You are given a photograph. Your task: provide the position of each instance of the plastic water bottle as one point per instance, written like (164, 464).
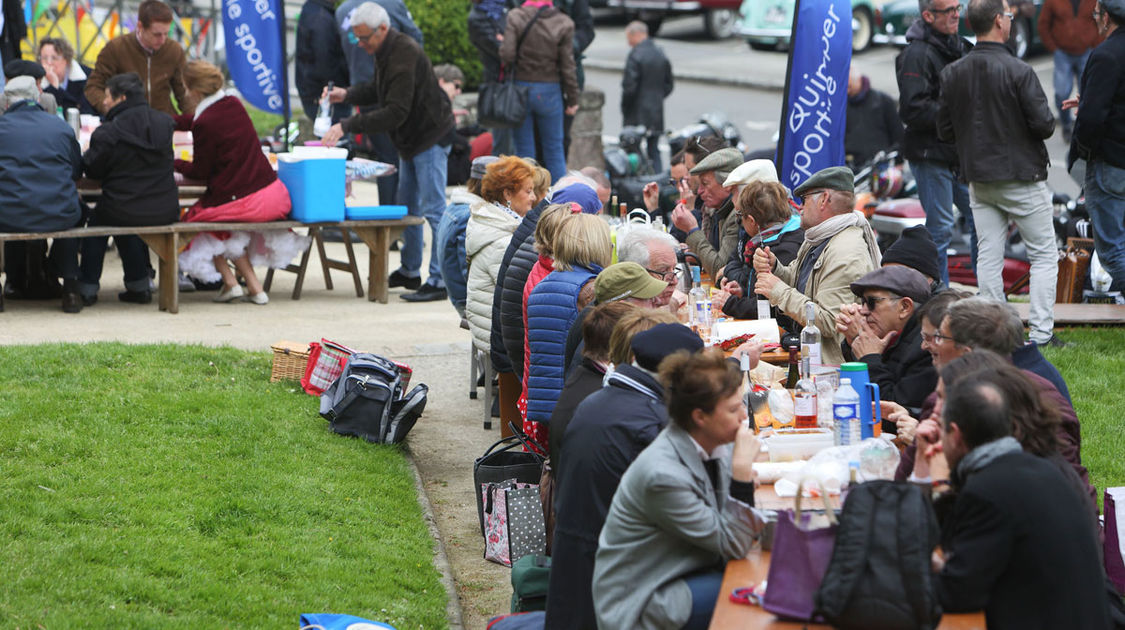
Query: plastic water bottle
(845, 411)
(700, 307)
(323, 120)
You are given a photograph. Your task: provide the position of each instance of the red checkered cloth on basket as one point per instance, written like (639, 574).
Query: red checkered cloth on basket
(326, 363)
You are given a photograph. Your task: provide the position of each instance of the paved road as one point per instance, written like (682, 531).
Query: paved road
(746, 84)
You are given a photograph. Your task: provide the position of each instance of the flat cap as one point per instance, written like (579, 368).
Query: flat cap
(752, 171)
(651, 346)
(723, 160)
(897, 279)
(831, 178)
(23, 68)
(915, 248)
(626, 280)
(480, 166)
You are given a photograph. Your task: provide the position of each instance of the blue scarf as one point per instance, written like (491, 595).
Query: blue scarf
(494, 9)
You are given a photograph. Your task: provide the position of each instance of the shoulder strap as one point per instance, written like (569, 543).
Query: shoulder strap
(519, 42)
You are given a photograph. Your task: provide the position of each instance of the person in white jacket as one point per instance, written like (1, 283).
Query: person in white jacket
(508, 193)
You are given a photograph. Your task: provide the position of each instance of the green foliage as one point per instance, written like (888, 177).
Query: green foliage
(174, 487)
(1094, 369)
(266, 122)
(444, 25)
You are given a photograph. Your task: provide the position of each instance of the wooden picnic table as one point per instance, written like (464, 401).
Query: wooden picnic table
(755, 568)
(167, 241)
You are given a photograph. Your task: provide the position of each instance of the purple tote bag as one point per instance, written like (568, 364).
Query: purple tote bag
(1114, 546)
(799, 558)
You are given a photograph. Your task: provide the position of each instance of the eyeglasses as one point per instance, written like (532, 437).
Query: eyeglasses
(699, 143)
(50, 58)
(670, 276)
(946, 11)
(936, 338)
(871, 301)
(809, 195)
(353, 38)
(744, 214)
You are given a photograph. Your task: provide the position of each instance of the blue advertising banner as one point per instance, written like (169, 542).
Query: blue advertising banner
(254, 51)
(816, 99)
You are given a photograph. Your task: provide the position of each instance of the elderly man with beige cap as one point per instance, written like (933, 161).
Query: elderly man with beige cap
(715, 240)
(839, 249)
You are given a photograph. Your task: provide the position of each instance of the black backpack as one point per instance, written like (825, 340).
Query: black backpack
(367, 400)
(879, 577)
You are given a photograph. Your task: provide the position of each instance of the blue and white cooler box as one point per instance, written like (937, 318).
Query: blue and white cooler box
(315, 179)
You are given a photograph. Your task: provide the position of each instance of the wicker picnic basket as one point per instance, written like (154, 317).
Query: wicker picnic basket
(290, 358)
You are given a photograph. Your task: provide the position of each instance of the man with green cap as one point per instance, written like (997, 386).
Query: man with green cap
(839, 249)
(714, 241)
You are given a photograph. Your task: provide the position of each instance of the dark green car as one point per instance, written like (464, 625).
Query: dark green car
(898, 15)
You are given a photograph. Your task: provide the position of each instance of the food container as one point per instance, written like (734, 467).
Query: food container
(315, 179)
(375, 212)
(787, 445)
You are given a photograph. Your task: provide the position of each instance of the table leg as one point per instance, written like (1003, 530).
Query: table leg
(378, 240)
(167, 250)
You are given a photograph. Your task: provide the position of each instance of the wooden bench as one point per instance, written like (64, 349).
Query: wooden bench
(168, 240)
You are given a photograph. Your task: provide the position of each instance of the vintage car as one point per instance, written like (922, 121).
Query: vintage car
(719, 16)
(898, 15)
(766, 24)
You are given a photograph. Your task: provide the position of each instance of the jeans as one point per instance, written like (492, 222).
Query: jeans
(1068, 72)
(502, 142)
(1028, 204)
(63, 260)
(545, 114)
(451, 244)
(939, 191)
(704, 589)
(421, 187)
(1105, 201)
(134, 260)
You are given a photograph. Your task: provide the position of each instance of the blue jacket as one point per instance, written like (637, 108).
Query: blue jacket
(451, 244)
(551, 309)
(39, 163)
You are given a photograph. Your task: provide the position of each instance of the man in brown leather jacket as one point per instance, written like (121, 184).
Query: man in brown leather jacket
(157, 60)
(995, 112)
(1067, 29)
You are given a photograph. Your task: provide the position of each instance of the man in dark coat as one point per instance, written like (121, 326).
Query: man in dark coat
(320, 57)
(609, 429)
(933, 43)
(1016, 539)
(1099, 138)
(646, 83)
(39, 164)
(872, 124)
(419, 118)
(883, 331)
(361, 69)
(131, 155)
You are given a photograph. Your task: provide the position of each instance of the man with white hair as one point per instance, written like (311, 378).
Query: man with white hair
(39, 163)
(419, 118)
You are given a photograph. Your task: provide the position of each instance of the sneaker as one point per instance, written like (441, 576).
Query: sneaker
(399, 279)
(428, 293)
(1055, 342)
(258, 298)
(229, 295)
(134, 297)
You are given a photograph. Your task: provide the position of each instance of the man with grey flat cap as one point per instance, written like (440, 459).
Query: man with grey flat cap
(887, 335)
(714, 240)
(839, 249)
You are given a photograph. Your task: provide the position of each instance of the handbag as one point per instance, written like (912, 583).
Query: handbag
(325, 365)
(513, 522)
(501, 462)
(503, 104)
(1113, 504)
(802, 546)
(1074, 265)
(530, 577)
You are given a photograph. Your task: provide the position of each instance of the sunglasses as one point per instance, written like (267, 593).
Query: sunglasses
(871, 301)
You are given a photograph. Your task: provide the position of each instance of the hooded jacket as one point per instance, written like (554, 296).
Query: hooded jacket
(918, 68)
(131, 155)
(487, 234)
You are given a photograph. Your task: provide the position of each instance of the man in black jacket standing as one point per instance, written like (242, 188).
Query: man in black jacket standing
(419, 118)
(1099, 138)
(645, 85)
(320, 57)
(1016, 540)
(933, 44)
(994, 109)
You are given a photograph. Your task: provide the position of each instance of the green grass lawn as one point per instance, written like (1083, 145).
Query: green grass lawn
(1094, 369)
(175, 487)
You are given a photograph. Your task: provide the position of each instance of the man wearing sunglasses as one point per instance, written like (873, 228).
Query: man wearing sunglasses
(933, 43)
(995, 111)
(886, 335)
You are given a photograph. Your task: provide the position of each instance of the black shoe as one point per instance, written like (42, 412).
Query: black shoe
(428, 293)
(398, 279)
(89, 300)
(1055, 342)
(71, 302)
(135, 297)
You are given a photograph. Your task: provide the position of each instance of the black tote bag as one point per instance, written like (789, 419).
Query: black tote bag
(500, 463)
(503, 104)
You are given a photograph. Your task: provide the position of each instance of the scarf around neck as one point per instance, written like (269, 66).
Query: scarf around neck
(982, 456)
(831, 227)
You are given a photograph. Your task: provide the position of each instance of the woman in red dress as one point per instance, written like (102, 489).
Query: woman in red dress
(241, 186)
